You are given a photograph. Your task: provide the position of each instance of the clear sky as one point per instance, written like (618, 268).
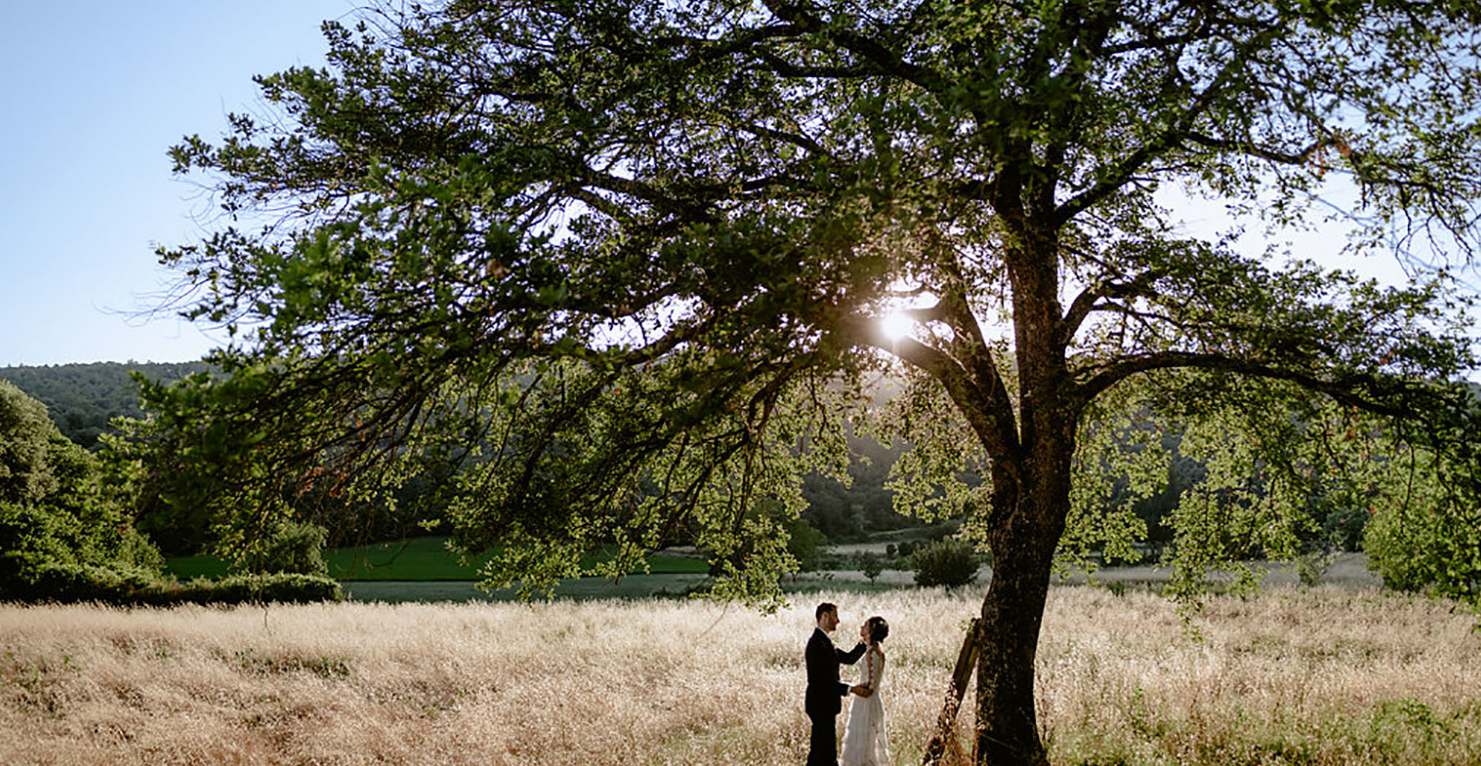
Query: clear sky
(93, 93)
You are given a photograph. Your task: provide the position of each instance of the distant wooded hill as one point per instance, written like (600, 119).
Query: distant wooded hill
(82, 398)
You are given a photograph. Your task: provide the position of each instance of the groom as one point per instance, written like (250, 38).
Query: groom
(825, 692)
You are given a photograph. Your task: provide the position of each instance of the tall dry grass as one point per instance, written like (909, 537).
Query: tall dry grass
(1323, 676)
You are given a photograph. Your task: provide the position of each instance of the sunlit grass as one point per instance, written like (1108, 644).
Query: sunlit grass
(1289, 677)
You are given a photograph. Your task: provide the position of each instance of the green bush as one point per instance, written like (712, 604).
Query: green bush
(1424, 546)
(296, 549)
(949, 563)
(67, 533)
(70, 582)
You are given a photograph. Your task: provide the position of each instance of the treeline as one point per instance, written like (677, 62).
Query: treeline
(67, 529)
(82, 398)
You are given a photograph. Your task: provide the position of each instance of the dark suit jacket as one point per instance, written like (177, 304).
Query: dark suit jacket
(825, 692)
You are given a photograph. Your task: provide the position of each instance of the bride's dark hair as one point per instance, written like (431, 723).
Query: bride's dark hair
(878, 628)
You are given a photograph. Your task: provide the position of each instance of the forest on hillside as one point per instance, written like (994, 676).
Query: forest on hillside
(83, 398)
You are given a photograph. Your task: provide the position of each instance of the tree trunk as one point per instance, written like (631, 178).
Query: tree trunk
(1007, 725)
(1023, 545)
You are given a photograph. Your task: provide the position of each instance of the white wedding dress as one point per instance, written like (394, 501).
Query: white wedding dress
(864, 740)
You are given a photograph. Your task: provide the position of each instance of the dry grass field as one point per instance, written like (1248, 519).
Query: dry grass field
(1322, 676)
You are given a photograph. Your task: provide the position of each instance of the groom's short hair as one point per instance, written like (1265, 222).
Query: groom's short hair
(824, 608)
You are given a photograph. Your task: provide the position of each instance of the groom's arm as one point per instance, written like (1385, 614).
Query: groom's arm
(818, 673)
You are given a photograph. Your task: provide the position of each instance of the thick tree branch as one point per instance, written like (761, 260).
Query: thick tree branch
(972, 347)
(1249, 147)
(1089, 299)
(858, 44)
(990, 423)
(1346, 391)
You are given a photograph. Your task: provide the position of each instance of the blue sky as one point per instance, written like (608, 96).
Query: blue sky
(94, 93)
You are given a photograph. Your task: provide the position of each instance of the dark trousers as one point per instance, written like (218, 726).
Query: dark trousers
(823, 750)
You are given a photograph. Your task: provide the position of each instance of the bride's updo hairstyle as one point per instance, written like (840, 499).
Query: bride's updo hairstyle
(878, 628)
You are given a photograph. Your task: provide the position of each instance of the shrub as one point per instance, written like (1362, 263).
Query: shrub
(49, 553)
(1420, 545)
(65, 534)
(282, 586)
(950, 563)
(1312, 565)
(295, 549)
(122, 585)
(74, 581)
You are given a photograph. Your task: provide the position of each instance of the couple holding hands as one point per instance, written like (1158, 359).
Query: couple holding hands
(864, 735)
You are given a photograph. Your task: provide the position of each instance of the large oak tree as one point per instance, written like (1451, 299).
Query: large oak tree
(614, 267)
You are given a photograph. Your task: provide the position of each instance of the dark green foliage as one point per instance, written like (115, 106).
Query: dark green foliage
(73, 582)
(854, 507)
(805, 544)
(66, 531)
(247, 588)
(25, 434)
(63, 517)
(68, 581)
(296, 548)
(949, 563)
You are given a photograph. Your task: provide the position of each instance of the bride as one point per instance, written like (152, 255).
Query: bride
(864, 736)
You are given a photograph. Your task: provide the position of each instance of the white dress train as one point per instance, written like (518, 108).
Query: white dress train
(864, 739)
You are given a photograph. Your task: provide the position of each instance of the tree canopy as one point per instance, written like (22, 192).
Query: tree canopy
(25, 437)
(622, 265)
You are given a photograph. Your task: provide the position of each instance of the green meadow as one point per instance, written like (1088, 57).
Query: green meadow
(417, 558)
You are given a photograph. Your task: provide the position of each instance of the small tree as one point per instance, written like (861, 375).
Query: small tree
(870, 566)
(949, 563)
(805, 544)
